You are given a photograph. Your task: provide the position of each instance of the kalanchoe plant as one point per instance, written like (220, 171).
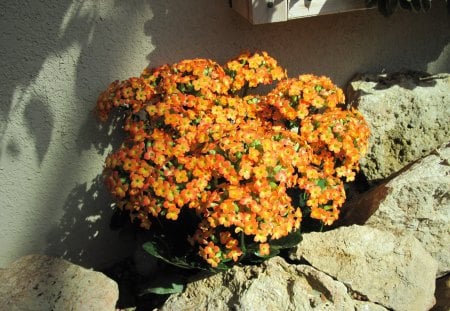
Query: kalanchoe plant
(216, 178)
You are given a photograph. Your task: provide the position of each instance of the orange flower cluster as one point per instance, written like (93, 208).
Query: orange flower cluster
(194, 144)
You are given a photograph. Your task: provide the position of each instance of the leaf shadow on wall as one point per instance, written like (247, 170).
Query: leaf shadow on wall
(39, 122)
(80, 235)
(60, 56)
(33, 33)
(83, 234)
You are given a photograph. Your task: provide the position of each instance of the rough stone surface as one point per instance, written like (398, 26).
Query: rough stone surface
(394, 271)
(273, 285)
(418, 201)
(38, 282)
(408, 115)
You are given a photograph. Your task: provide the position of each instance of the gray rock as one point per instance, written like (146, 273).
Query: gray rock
(408, 115)
(394, 271)
(273, 285)
(38, 282)
(417, 201)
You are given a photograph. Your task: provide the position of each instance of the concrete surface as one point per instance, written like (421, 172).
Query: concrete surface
(57, 56)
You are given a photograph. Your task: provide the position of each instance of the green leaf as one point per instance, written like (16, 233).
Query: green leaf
(207, 71)
(159, 249)
(322, 183)
(253, 100)
(303, 198)
(277, 168)
(229, 72)
(327, 207)
(255, 143)
(288, 241)
(242, 243)
(181, 87)
(173, 288)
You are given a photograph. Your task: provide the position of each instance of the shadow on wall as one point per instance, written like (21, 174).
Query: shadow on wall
(79, 37)
(39, 121)
(34, 32)
(83, 235)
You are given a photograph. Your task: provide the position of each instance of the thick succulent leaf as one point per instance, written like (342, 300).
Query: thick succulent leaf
(159, 249)
(288, 241)
(171, 288)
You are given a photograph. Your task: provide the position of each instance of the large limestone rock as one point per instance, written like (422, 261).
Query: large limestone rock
(418, 201)
(273, 285)
(393, 271)
(408, 115)
(38, 282)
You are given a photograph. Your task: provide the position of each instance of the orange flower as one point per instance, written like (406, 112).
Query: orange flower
(127, 92)
(181, 176)
(264, 249)
(137, 181)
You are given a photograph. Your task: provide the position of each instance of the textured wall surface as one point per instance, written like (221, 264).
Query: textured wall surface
(57, 56)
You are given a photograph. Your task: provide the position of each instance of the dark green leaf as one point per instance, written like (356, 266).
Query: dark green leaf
(242, 243)
(159, 249)
(253, 100)
(322, 183)
(171, 289)
(288, 241)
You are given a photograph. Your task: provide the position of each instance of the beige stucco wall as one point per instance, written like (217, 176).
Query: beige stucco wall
(57, 56)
